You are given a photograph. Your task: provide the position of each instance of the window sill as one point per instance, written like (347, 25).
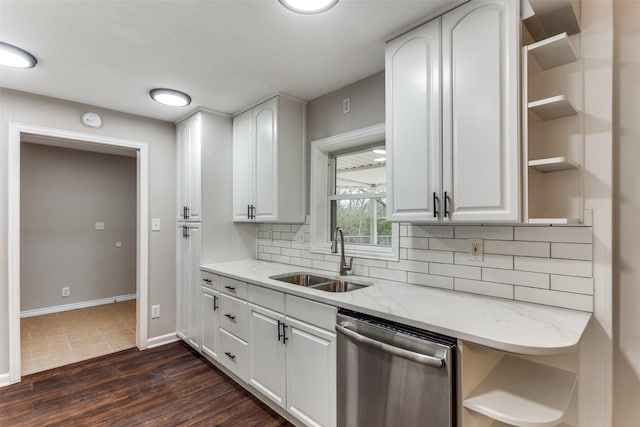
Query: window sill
(382, 254)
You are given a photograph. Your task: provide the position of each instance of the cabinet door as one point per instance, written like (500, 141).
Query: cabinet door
(189, 152)
(265, 118)
(194, 286)
(311, 373)
(267, 353)
(413, 117)
(182, 282)
(243, 161)
(480, 54)
(210, 321)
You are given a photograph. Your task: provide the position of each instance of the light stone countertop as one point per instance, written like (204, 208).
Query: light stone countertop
(506, 325)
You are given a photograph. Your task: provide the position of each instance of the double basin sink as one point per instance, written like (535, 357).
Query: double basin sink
(321, 283)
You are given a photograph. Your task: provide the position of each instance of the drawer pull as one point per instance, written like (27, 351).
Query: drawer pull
(230, 356)
(207, 280)
(230, 316)
(215, 303)
(231, 288)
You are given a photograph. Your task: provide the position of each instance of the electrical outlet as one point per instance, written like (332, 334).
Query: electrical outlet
(155, 224)
(346, 105)
(476, 250)
(155, 311)
(99, 225)
(66, 291)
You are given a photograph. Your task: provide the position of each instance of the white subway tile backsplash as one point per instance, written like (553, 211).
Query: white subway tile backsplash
(542, 265)
(290, 252)
(572, 251)
(495, 261)
(443, 282)
(454, 245)
(483, 232)
(578, 285)
(430, 256)
(386, 274)
(452, 270)
(499, 290)
(414, 242)
(554, 234)
(503, 247)
(554, 298)
(406, 265)
(555, 266)
(437, 231)
(514, 277)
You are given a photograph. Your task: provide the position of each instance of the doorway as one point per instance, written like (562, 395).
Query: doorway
(90, 142)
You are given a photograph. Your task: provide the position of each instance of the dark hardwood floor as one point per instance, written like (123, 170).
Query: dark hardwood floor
(166, 386)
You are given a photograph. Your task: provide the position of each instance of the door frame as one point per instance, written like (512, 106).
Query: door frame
(13, 232)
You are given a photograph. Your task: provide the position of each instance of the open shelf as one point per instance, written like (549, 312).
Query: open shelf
(553, 17)
(524, 393)
(553, 164)
(552, 108)
(553, 52)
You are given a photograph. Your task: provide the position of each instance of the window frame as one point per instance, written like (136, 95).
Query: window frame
(322, 152)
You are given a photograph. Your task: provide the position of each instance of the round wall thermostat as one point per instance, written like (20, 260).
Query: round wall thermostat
(91, 120)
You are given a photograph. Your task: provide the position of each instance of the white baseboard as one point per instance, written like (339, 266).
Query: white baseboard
(162, 340)
(5, 379)
(76, 305)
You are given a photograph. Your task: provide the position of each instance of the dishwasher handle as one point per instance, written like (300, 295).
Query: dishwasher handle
(424, 359)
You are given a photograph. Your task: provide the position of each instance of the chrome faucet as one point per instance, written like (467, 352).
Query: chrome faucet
(344, 268)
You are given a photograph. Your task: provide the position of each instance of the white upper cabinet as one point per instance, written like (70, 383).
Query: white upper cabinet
(481, 93)
(189, 135)
(268, 162)
(413, 124)
(452, 89)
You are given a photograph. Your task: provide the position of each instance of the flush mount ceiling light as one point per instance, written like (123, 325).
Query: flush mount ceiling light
(308, 7)
(173, 98)
(13, 56)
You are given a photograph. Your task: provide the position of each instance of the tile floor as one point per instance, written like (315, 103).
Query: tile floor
(58, 339)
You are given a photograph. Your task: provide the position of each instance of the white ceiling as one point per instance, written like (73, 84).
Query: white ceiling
(226, 54)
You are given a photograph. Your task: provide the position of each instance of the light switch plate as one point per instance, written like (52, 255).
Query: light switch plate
(155, 224)
(155, 311)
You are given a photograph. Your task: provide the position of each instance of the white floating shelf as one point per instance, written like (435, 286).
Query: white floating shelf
(553, 221)
(553, 52)
(553, 164)
(552, 108)
(524, 393)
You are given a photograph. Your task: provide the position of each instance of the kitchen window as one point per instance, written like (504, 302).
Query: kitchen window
(348, 190)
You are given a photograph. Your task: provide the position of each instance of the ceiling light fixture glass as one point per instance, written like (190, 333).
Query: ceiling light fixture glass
(171, 97)
(308, 7)
(13, 56)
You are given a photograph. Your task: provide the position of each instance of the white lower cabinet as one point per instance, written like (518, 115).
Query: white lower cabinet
(293, 362)
(188, 283)
(210, 321)
(234, 354)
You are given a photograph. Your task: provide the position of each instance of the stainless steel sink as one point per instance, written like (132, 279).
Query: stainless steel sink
(301, 279)
(321, 283)
(339, 286)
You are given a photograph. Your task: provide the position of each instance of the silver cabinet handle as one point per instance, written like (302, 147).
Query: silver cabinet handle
(424, 359)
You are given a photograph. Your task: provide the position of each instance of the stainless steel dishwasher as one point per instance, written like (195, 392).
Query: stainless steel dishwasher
(393, 375)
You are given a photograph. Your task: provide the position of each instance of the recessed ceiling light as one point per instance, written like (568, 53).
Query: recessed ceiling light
(380, 151)
(381, 159)
(171, 97)
(13, 56)
(308, 6)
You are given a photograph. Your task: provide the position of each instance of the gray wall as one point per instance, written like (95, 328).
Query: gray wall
(325, 117)
(53, 113)
(626, 214)
(63, 192)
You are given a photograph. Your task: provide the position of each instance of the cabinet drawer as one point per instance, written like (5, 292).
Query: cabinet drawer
(209, 280)
(234, 354)
(233, 316)
(268, 298)
(233, 287)
(318, 314)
